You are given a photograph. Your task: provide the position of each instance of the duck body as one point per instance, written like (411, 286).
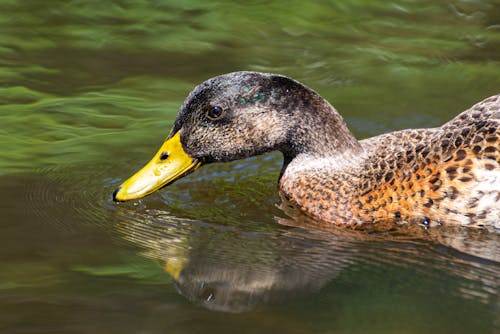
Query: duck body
(448, 175)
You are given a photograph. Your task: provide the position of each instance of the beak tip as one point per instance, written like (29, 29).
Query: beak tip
(115, 193)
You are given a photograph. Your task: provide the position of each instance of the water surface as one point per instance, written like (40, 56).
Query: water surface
(89, 90)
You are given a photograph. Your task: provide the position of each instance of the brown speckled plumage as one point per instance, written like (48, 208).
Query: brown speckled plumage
(448, 175)
(424, 175)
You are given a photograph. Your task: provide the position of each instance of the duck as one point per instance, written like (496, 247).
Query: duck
(447, 175)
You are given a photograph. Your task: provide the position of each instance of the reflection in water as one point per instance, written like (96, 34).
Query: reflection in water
(234, 270)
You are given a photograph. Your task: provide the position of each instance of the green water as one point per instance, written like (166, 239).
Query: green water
(88, 91)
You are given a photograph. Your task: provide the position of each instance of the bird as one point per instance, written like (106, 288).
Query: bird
(447, 175)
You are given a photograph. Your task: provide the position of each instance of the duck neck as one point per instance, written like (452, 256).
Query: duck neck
(319, 132)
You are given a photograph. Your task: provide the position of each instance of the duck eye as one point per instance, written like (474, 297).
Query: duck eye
(215, 112)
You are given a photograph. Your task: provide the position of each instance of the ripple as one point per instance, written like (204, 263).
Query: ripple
(59, 195)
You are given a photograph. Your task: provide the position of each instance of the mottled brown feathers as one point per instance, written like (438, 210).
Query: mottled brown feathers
(425, 175)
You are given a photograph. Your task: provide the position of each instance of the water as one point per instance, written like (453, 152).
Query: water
(89, 90)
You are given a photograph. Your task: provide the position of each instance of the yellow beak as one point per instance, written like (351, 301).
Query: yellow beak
(170, 163)
(174, 267)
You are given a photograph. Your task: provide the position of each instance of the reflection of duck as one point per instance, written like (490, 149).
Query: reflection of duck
(233, 269)
(448, 174)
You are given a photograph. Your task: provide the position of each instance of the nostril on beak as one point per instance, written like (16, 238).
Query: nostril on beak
(164, 156)
(114, 194)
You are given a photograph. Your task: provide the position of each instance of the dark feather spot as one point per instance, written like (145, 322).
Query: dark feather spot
(465, 179)
(429, 203)
(480, 124)
(489, 166)
(460, 155)
(490, 149)
(436, 187)
(477, 139)
(452, 172)
(452, 192)
(419, 148)
(492, 139)
(434, 180)
(388, 176)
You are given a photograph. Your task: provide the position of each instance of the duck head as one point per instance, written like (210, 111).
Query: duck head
(237, 115)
